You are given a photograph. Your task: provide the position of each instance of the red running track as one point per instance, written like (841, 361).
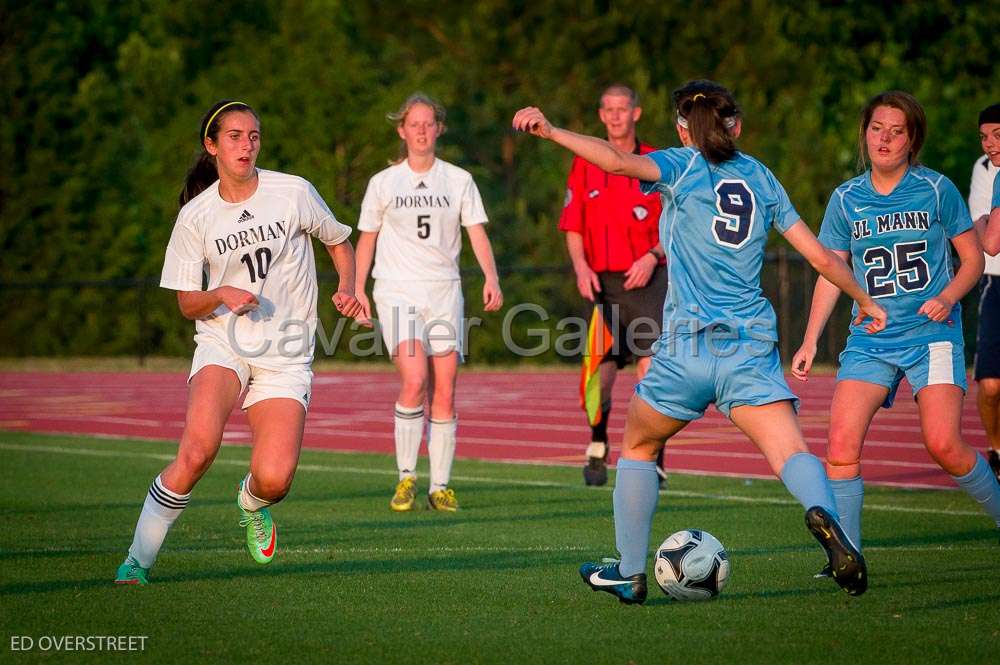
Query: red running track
(508, 416)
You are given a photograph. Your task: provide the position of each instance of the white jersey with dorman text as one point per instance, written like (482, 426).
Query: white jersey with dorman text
(260, 245)
(418, 217)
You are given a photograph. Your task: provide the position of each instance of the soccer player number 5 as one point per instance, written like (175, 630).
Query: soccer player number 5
(423, 227)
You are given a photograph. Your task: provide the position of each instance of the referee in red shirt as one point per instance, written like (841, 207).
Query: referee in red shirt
(612, 234)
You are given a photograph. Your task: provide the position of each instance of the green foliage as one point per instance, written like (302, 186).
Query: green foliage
(103, 102)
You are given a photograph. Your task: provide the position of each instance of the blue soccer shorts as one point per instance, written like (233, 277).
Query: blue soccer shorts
(691, 371)
(923, 365)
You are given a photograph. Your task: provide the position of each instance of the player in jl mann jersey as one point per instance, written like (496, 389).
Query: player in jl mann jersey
(898, 222)
(411, 224)
(719, 333)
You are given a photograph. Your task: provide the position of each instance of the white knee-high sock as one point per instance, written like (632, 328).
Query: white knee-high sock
(161, 508)
(248, 501)
(409, 428)
(441, 449)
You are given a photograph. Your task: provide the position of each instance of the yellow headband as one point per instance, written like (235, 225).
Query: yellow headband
(695, 98)
(217, 112)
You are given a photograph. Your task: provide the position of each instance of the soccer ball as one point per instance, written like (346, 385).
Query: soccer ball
(691, 565)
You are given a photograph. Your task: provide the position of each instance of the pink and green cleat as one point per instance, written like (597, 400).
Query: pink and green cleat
(130, 572)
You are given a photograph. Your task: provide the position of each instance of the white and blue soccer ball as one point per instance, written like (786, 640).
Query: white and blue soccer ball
(691, 565)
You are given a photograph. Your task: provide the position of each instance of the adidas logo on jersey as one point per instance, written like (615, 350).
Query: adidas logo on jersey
(421, 185)
(245, 217)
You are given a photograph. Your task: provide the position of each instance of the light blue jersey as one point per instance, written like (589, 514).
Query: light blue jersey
(900, 251)
(714, 227)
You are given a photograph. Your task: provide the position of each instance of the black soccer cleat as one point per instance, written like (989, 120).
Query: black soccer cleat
(846, 563)
(825, 574)
(595, 471)
(994, 459)
(606, 577)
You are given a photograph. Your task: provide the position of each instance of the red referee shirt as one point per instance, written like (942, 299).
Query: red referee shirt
(618, 222)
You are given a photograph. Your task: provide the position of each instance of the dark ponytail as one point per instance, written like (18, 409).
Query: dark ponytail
(709, 112)
(204, 172)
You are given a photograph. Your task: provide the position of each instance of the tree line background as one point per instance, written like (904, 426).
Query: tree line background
(102, 103)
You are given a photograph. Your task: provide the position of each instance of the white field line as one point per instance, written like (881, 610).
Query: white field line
(93, 452)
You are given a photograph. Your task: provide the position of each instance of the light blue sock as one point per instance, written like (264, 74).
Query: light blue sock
(805, 477)
(635, 496)
(982, 486)
(850, 495)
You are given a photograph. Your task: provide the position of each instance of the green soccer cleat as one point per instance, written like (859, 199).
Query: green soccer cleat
(130, 572)
(262, 535)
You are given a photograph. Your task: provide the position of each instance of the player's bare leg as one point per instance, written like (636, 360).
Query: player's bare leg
(276, 425)
(940, 409)
(212, 393)
(410, 359)
(641, 367)
(988, 403)
(441, 437)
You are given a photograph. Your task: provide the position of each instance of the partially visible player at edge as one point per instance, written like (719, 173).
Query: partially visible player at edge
(249, 231)
(719, 334)
(613, 241)
(897, 222)
(981, 200)
(410, 223)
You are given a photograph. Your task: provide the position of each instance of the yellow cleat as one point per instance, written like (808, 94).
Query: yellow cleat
(443, 500)
(406, 492)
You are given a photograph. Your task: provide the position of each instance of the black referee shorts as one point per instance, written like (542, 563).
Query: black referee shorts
(633, 317)
(988, 338)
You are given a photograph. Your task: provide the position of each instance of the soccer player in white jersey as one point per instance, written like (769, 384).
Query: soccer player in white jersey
(897, 222)
(719, 333)
(411, 221)
(987, 369)
(247, 231)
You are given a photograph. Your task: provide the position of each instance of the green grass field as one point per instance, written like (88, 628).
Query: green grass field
(496, 582)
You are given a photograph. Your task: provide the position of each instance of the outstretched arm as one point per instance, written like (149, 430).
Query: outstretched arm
(596, 151)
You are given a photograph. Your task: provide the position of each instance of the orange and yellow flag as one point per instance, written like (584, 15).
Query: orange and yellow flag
(599, 342)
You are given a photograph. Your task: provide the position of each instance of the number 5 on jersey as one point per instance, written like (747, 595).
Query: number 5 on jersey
(423, 227)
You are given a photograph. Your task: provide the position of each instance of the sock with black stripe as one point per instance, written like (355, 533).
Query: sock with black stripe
(160, 510)
(409, 429)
